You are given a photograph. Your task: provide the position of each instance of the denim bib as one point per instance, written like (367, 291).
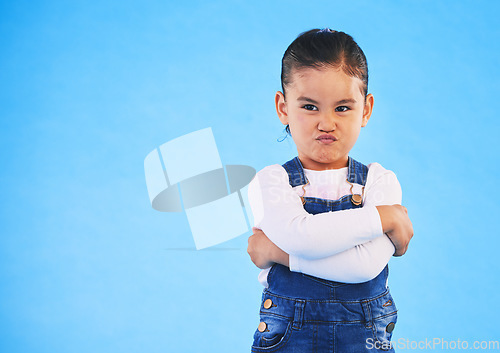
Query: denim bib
(303, 313)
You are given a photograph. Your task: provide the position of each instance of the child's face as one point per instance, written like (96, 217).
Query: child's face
(322, 103)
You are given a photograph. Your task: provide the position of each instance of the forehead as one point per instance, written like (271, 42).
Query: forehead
(325, 82)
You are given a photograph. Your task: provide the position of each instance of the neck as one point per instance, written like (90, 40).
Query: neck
(308, 163)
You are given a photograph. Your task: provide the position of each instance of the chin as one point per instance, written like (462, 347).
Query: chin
(326, 157)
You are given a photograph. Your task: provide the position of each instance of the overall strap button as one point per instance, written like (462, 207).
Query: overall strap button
(390, 327)
(356, 199)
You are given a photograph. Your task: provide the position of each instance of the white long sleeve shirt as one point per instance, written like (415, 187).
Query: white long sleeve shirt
(345, 246)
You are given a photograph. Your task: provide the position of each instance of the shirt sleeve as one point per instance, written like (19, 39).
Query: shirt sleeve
(359, 264)
(279, 212)
(365, 261)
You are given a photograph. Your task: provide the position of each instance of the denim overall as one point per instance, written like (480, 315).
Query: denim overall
(302, 313)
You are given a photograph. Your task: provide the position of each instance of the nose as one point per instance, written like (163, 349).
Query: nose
(327, 122)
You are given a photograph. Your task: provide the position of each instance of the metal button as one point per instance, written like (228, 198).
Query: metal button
(262, 327)
(268, 303)
(356, 199)
(390, 327)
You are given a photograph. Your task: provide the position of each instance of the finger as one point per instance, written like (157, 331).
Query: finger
(401, 251)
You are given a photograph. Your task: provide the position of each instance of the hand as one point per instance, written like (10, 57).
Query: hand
(263, 252)
(397, 225)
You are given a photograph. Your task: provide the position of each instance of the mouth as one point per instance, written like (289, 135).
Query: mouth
(327, 139)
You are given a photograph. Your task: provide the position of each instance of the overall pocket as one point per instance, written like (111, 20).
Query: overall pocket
(382, 329)
(272, 333)
(384, 319)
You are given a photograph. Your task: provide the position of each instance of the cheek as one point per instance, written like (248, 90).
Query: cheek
(355, 128)
(352, 130)
(301, 122)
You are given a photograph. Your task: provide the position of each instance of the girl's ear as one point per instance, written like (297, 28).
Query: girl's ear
(367, 111)
(281, 109)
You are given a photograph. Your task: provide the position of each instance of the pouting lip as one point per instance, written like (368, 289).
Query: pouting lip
(326, 136)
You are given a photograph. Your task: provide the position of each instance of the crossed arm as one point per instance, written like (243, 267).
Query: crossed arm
(347, 246)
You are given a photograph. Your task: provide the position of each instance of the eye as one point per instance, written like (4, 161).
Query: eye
(342, 108)
(310, 107)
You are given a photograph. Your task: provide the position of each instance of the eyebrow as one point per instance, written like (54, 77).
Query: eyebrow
(342, 101)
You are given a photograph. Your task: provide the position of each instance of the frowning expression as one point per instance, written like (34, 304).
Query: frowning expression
(325, 110)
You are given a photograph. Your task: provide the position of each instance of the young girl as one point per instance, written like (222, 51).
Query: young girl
(325, 224)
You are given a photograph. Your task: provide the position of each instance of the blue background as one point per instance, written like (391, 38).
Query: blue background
(87, 90)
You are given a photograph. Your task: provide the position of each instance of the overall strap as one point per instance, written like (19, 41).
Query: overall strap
(296, 175)
(357, 172)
